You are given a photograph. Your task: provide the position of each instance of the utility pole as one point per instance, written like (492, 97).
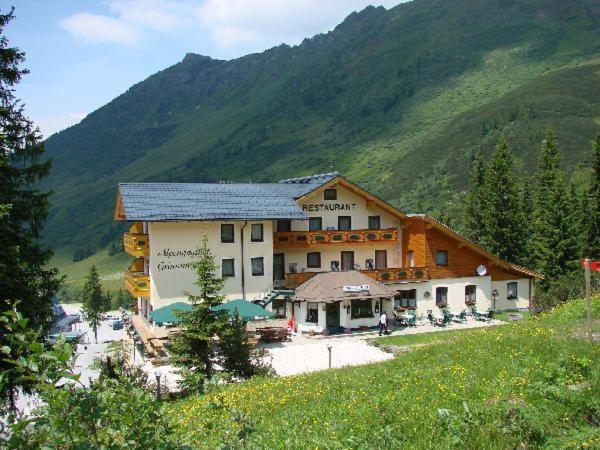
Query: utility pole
(588, 298)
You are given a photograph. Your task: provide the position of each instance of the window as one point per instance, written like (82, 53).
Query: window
(441, 257)
(410, 258)
(470, 294)
(441, 296)
(511, 291)
(258, 266)
(279, 308)
(344, 223)
(406, 299)
(227, 268)
(330, 194)
(347, 260)
(361, 308)
(256, 232)
(312, 312)
(227, 233)
(374, 222)
(284, 225)
(313, 259)
(315, 223)
(381, 259)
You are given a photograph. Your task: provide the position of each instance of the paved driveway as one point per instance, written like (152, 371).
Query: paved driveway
(293, 358)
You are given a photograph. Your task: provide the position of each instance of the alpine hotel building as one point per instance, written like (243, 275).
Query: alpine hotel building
(269, 238)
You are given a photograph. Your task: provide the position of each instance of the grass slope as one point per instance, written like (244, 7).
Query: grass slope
(110, 268)
(530, 384)
(395, 99)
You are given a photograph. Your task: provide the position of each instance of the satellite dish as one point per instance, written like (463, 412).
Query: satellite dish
(481, 270)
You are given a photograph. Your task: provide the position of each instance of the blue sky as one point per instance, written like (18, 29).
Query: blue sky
(83, 53)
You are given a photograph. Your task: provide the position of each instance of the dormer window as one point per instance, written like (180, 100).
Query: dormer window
(330, 194)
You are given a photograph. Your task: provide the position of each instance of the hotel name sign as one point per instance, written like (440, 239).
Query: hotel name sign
(170, 259)
(320, 207)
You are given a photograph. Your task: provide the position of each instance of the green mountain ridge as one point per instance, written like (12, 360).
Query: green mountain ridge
(395, 99)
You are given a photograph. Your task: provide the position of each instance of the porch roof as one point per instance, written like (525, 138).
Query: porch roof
(328, 287)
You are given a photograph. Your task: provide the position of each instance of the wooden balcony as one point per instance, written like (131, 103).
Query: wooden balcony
(137, 283)
(399, 274)
(304, 239)
(136, 244)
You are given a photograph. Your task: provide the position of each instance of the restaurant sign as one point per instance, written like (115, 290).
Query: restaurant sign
(319, 207)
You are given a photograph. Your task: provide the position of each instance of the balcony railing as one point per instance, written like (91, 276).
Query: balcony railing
(293, 280)
(398, 274)
(299, 239)
(137, 283)
(136, 244)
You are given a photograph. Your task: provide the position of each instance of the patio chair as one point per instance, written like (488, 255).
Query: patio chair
(447, 317)
(430, 317)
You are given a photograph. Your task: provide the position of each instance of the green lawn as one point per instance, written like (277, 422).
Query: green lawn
(437, 337)
(531, 384)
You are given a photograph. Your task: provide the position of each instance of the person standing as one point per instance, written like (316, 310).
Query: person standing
(383, 323)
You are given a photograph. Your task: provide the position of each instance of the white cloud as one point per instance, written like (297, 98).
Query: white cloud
(271, 22)
(98, 28)
(52, 124)
(131, 20)
(238, 26)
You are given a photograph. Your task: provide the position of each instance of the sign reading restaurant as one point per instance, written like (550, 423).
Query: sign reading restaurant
(329, 207)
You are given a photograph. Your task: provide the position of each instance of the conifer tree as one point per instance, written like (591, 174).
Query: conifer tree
(554, 244)
(192, 348)
(527, 210)
(592, 208)
(24, 276)
(93, 301)
(476, 207)
(503, 220)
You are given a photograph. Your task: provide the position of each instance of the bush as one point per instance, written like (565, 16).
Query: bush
(565, 288)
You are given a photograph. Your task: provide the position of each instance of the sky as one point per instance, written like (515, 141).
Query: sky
(83, 53)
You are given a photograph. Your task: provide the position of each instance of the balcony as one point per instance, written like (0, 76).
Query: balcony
(137, 283)
(136, 244)
(398, 274)
(406, 274)
(304, 239)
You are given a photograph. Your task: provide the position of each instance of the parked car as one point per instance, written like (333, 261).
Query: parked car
(117, 324)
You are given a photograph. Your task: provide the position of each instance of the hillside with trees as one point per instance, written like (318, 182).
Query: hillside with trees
(397, 100)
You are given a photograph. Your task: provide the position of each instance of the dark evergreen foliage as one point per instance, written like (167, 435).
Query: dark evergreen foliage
(476, 206)
(24, 276)
(94, 303)
(555, 245)
(192, 348)
(591, 207)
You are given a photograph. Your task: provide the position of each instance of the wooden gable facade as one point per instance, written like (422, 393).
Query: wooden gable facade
(424, 237)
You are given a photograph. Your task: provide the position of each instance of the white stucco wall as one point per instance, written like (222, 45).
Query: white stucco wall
(522, 302)
(170, 281)
(313, 205)
(328, 254)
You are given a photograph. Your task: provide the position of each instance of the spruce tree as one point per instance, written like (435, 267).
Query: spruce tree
(24, 274)
(476, 206)
(592, 208)
(192, 347)
(554, 245)
(93, 301)
(503, 220)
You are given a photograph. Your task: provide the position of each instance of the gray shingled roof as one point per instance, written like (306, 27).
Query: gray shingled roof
(201, 201)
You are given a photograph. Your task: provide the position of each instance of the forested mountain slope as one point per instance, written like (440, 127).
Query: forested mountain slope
(394, 99)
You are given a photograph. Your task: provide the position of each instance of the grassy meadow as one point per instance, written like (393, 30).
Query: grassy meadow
(110, 268)
(529, 384)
